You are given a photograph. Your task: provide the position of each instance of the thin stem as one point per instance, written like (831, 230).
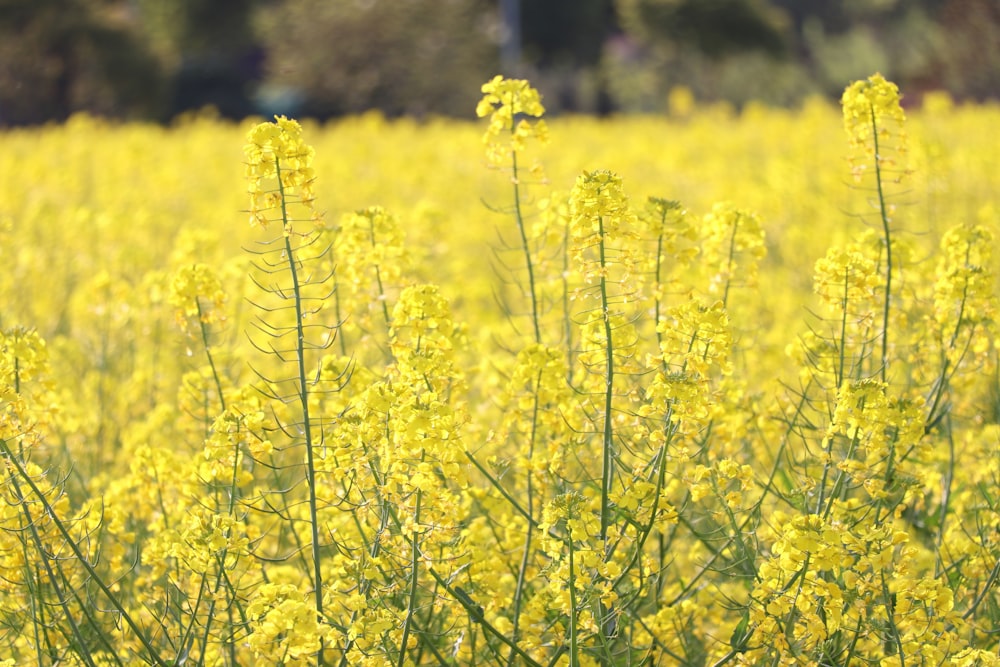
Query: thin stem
(303, 393)
(522, 572)
(890, 613)
(842, 354)
(946, 483)
(731, 261)
(519, 217)
(574, 650)
(499, 487)
(609, 384)
(842, 348)
(50, 511)
(208, 353)
(888, 250)
(941, 384)
(411, 602)
(46, 563)
(476, 614)
(659, 265)
(606, 615)
(378, 278)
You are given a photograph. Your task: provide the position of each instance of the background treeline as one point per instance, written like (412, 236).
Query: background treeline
(153, 59)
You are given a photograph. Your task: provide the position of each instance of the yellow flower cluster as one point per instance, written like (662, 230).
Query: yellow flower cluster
(874, 121)
(846, 279)
(196, 292)
(285, 628)
(507, 102)
(276, 151)
(964, 292)
(733, 242)
(601, 218)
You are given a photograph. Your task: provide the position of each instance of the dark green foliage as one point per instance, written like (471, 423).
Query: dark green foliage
(713, 27)
(153, 59)
(62, 56)
(413, 57)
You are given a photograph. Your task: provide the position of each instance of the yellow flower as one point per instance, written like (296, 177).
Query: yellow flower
(873, 119)
(733, 246)
(284, 626)
(696, 338)
(600, 215)
(196, 292)
(862, 99)
(845, 277)
(964, 292)
(423, 336)
(276, 151)
(504, 100)
(599, 207)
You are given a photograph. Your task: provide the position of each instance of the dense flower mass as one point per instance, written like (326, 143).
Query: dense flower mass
(669, 406)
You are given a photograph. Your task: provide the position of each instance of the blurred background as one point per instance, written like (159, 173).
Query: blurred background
(155, 59)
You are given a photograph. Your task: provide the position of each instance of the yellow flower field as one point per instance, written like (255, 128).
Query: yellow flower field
(704, 389)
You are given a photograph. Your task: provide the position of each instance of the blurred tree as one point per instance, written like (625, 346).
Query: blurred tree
(412, 56)
(715, 28)
(566, 31)
(971, 65)
(209, 49)
(153, 58)
(781, 50)
(562, 45)
(62, 56)
(920, 44)
(733, 50)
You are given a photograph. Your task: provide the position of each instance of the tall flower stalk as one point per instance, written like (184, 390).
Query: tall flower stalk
(510, 103)
(280, 177)
(873, 119)
(601, 225)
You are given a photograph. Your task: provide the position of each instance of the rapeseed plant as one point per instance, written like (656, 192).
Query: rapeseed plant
(610, 463)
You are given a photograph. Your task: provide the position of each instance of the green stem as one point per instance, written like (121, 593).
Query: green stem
(842, 348)
(941, 384)
(221, 558)
(890, 613)
(609, 384)
(79, 555)
(188, 637)
(522, 572)
(731, 261)
(660, 470)
(46, 559)
(519, 217)
(208, 353)
(888, 250)
(303, 393)
(411, 603)
(499, 487)
(657, 304)
(946, 483)
(606, 619)
(842, 354)
(574, 650)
